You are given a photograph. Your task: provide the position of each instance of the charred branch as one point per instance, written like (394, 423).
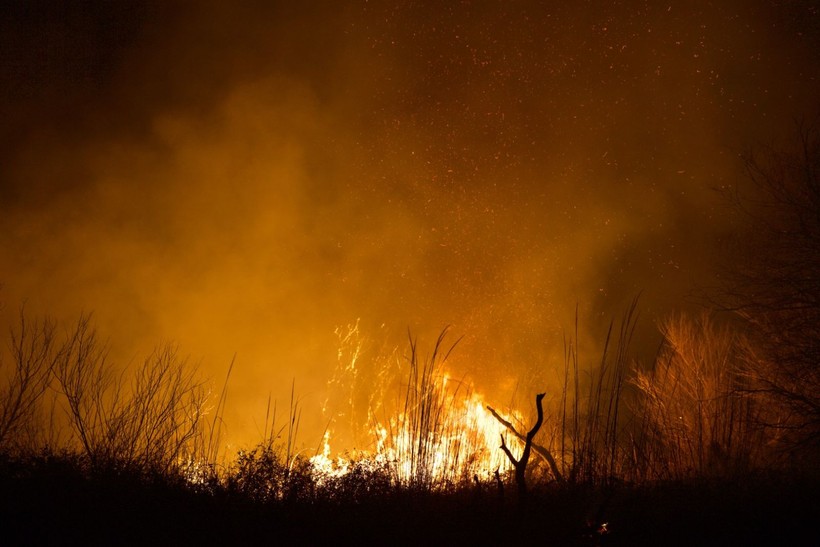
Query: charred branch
(540, 450)
(520, 465)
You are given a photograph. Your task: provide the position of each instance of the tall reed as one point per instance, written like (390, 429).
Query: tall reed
(591, 419)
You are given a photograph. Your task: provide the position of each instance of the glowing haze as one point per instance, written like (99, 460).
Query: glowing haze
(247, 177)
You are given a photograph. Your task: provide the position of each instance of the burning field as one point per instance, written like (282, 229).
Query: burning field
(697, 444)
(409, 271)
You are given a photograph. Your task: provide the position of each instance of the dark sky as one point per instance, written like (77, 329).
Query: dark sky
(245, 177)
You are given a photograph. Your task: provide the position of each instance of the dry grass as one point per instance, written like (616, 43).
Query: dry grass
(699, 417)
(588, 434)
(698, 412)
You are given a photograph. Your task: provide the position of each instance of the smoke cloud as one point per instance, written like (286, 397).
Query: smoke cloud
(243, 178)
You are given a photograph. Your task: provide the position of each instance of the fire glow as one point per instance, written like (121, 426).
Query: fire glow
(439, 433)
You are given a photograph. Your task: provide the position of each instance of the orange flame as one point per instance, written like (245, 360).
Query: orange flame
(457, 441)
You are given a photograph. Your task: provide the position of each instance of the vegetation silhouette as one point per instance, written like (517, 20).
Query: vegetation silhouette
(712, 442)
(773, 278)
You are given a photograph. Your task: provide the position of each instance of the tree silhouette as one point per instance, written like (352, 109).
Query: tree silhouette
(773, 281)
(520, 464)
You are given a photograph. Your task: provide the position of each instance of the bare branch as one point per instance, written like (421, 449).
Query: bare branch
(540, 450)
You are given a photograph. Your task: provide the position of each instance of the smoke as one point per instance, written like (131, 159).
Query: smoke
(244, 179)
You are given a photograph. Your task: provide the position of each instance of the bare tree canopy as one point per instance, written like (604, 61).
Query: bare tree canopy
(773, 281)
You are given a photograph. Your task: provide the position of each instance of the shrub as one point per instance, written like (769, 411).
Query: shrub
(699, 417)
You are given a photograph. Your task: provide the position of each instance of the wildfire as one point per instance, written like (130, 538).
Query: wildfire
(442, 435)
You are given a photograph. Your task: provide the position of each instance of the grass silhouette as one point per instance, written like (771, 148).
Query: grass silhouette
(688, 458)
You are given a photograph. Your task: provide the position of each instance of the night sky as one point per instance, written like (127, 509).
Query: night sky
(245, 177)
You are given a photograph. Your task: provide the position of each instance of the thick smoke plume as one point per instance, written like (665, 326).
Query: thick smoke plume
(245, 178)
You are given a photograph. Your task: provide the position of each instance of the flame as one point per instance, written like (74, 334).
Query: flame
(325, 466)
(437, 433)
(444, 437)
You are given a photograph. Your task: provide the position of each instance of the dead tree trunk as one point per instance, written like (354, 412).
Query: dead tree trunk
(520, 464)
(540, 450)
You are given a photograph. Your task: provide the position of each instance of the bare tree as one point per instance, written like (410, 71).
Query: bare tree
(34, 351)
(520, 464)
(164, 410)
(540, 450)
(144, 424)
(773, 281)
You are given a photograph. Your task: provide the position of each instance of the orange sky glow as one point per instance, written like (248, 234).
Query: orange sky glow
(251, 179)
